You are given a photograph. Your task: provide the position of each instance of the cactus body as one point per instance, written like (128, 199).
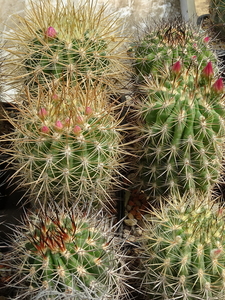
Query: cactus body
(184, 248)
(59, 253)
(70, 145)
(160, 47)
(65, 42)
(217, 17)
(181, 127)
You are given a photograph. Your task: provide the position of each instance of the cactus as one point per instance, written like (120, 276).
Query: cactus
(180, 131)
(158, 48)
(59, 253)
(81, 43)
(217, 17)
(66, 143)
(184, 250)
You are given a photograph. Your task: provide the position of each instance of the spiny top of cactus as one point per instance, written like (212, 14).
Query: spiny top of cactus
(67, 252)
(67, 142)
(65, 41)
(160, 46)
(184, 248)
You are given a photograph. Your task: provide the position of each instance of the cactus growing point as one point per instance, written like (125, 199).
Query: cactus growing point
(60, 253)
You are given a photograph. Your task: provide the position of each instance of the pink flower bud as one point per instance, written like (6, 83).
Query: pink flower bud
(176, 68)
(45, 129)
(58, 125)
(50, 32)
(55, 97)
(194, 57)
(80, 120)
(207, 72)
(42, 113)
(206, 39)
(77, 130)
(218, 86)
(88, 110)
(215, 253)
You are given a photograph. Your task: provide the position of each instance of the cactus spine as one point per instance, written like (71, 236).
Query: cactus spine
(180, 122)
(58, 253)
(184, 250)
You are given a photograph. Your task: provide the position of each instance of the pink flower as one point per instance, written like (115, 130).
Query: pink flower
(218, 86)
(176, 68)
(42, 113)
(77, 130)
(88, 110)
(206, 39)
(50, 32)
(45, 129)
(58, 125)
(207, 72)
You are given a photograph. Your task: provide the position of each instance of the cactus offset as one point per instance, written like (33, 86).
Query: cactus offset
(158, 48)
(69, 144)
(58, 253)
(180, 126)
(184, 250)
(81, 43)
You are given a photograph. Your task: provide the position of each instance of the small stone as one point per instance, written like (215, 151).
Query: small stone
(130, 216)
(130, 222)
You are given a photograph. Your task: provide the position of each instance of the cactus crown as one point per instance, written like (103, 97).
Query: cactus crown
(184, 250)
(78, 42)
(67, 143)
(58, 251)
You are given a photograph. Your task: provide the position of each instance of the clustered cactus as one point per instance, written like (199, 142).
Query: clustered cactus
(59, 253)
(184, 250)
(69, 150)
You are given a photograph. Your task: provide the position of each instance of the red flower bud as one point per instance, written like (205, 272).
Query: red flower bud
(50, 32)
(42, 113)
(176, 68)
(207, 72)
(77, 129)
(218, 86)
(58, 125)
(88, 111)
(45, 129)
(206, 39)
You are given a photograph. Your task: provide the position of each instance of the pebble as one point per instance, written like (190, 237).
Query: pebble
(130, 222)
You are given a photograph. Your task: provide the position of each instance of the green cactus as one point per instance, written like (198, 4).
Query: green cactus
(184, 247)
(69, 145)
(158, 48)
(217, 17)
(180, 130)
(81, 43)
(60, 253)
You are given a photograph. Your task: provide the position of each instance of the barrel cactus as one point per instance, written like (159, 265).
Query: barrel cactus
(217, 17)
(82, 43)
(184, 247)
(66, 143)
(159, 47)
(60, 254)
(180, 130)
